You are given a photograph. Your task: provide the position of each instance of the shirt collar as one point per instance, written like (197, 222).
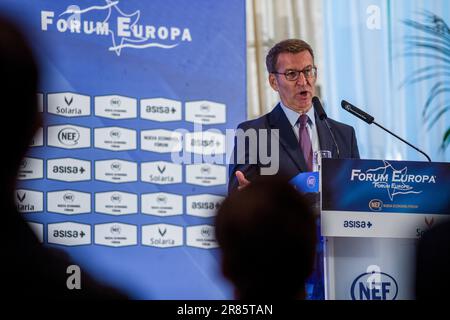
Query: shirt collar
(293, 115)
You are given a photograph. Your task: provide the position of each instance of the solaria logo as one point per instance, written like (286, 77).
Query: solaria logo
(124, 29)
(374, 285)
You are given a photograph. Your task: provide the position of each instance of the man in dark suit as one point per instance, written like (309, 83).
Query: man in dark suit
(293, 128)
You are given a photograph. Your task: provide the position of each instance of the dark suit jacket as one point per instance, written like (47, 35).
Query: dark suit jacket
(291, 160)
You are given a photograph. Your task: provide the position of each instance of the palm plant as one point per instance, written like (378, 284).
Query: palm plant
(433, 42)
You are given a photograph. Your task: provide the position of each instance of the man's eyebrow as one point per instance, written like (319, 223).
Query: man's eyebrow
(292, 69)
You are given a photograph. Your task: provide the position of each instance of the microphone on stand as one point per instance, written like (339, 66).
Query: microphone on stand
(323, 117)
(369, 119)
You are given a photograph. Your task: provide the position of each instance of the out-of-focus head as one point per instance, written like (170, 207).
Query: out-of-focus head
(18, 91)
(267, 236)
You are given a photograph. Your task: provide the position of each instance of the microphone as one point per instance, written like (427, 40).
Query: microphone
(357, 112)
(369, 119)
(323, 117)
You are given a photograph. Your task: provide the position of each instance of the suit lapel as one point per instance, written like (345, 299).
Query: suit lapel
(278, 120)
(325, 141)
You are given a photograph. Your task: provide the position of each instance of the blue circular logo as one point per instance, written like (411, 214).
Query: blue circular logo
(311, 182)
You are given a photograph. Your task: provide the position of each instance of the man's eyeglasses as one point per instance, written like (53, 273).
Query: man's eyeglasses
(292, 75)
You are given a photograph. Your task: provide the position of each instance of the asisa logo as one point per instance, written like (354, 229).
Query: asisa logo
(107, 19)
(374, 285)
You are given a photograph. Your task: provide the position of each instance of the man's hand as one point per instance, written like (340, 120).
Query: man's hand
(243, 182)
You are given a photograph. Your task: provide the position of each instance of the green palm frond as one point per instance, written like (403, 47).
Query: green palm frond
(432, 43)
(446, 141)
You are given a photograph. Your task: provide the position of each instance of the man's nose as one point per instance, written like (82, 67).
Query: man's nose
(301, 79)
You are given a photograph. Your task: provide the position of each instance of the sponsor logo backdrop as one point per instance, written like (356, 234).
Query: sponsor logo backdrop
(99, 180)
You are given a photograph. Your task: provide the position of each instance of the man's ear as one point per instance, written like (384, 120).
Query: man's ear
(273, 82)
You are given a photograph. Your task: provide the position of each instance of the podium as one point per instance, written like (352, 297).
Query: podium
(372, 212)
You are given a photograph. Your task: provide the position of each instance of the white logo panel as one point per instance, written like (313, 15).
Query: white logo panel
(161, 172)
(162, 235)
(115, 234)
(31, 168)
(162, 204)
(118, 171)
(207, 143)
(68, 202)
(115, 139)
(205, 112)
(38, 139)
(69, 233)
(69, 169)
(69, 137)
(161, 141)
(29, 201)
(202, 236)
(115, 107)
(68, 104)
(116, 203)
(160, 109)
(40, 102)
(38, 230)
(204, 174)
(203, 205)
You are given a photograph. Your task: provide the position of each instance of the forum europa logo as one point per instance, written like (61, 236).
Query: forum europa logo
(107, 19)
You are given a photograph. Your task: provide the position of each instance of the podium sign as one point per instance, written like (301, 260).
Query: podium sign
(388, 199)
(373, 212)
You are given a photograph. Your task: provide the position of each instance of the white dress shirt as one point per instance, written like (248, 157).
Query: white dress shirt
(311, 125)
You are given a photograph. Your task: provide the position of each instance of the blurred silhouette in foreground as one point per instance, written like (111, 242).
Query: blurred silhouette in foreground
(433, 264)
(267, 235)
(29, 270)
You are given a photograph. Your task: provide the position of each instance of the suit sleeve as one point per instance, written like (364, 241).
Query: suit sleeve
(241, 160)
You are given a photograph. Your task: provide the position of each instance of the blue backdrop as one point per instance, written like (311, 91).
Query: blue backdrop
(101, 61)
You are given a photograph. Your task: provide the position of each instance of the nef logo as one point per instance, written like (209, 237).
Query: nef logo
(161, 199)
(115, 229)
(115, 134)
(116, 166)
(374, 285)
(205, 170)
(206, 232)
(68, 136)
(204, 108)
(116, 198)
(115, 102)
(69, 197)
(376, 205)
